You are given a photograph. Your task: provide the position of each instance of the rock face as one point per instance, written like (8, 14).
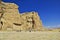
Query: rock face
(31, 20)
(13, 20)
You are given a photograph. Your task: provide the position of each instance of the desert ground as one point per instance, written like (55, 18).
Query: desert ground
(29, 35)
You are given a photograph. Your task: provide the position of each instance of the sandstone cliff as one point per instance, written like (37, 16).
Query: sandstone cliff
(13, 20)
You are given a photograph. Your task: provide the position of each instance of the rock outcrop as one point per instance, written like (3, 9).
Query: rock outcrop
(14, 21)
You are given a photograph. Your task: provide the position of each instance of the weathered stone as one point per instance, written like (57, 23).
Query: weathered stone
(13, 20)
(32, 20)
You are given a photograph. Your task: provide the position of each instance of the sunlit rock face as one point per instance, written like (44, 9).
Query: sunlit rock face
(14, 21)
(32, 20)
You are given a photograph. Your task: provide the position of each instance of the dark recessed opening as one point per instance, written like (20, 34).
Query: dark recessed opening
(1, 22)
(17, 24)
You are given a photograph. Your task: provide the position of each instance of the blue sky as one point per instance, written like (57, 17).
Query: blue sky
(48, 10)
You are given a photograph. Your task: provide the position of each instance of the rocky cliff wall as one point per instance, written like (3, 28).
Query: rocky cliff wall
(14, 21)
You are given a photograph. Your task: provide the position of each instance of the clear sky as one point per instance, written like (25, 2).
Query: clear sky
(48, 10)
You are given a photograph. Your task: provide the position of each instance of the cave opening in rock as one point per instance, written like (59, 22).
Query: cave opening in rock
(17, 24)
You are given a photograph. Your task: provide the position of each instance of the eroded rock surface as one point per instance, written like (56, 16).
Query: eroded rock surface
(13, 20)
